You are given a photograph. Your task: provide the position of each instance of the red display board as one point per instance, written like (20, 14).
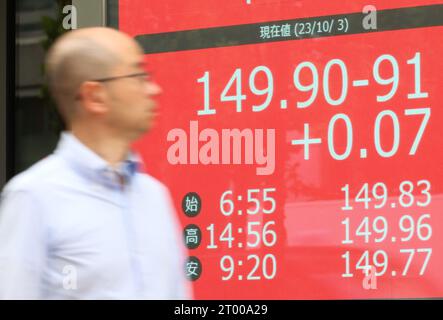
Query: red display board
(301, 142)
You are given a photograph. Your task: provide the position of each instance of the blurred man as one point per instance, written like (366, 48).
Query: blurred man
(85, 223)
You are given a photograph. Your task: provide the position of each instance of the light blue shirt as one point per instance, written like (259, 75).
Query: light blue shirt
(69, 230)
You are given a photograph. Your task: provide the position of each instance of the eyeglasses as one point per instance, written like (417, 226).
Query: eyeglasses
(145, 76)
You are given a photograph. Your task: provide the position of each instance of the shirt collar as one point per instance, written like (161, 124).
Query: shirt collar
(91, 165)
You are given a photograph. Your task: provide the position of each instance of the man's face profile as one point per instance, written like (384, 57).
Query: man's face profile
(98, 78)
(132, 99)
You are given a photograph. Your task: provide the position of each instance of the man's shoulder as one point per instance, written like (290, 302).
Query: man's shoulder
(35, 177)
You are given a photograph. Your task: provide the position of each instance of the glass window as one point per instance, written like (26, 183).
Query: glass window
(36, 125)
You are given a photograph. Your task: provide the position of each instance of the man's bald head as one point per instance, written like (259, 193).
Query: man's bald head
(79, 56)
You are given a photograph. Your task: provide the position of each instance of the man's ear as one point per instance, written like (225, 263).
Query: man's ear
(93, 96)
